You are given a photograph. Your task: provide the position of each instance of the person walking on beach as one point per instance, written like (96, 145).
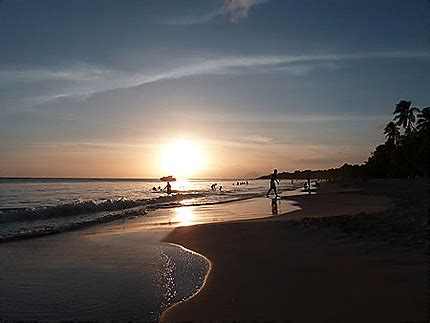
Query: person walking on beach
(273, 181)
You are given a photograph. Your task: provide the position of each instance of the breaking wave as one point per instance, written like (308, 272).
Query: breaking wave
(79, 207)
(20, 223)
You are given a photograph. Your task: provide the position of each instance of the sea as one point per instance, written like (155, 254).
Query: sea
(38, 206)
(50, 274)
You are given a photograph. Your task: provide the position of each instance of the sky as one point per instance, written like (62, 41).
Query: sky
(96, 88)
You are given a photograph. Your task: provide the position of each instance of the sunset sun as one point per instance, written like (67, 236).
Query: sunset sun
(182, 158)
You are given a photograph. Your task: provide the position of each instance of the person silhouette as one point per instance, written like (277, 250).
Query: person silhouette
(168, 188)
(273, 181)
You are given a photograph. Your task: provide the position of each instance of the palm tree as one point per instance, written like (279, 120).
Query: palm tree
(392, 133)
(405, 115)
(423, 123)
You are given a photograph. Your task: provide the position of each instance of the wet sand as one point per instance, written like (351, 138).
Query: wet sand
(269, 269)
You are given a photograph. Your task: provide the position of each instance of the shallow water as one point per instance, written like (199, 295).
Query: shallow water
(84, 277)
(34, 207)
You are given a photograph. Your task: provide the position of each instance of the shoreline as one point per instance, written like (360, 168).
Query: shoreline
(200, 288)
(113, 218)
(117, 270)
(226, 293)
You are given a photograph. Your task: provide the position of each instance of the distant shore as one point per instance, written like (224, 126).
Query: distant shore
(351, 254)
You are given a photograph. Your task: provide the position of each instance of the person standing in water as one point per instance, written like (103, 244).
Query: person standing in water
(273, 181)
(168, 188)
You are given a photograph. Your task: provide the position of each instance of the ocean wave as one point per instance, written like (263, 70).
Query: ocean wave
(24, 223)
(43, 229)
(80, 207)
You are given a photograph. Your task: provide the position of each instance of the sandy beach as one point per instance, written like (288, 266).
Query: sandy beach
(274, 269)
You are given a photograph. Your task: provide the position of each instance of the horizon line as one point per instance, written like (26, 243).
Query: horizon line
(124, 178)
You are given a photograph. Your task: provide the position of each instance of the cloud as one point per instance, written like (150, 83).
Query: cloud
(235, 9)
(238, 9)
(257, 139)
(82, 80)
(298, 70)
(305, 69)
(80, 72)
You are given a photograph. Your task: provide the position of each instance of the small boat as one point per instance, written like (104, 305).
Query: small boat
(169, 178)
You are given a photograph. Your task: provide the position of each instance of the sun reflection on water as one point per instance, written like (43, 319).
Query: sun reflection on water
(184, 216)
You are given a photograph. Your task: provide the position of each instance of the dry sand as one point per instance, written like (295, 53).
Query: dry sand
(269, 270)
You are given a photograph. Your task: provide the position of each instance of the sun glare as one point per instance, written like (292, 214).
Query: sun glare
(181, 159)
(184, 216)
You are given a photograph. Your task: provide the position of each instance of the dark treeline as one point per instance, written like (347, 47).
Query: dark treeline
(346, 171)
(405, 153)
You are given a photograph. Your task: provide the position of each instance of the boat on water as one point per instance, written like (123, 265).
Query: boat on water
(169, 178)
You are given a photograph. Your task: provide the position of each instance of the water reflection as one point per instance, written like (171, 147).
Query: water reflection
(184, 216)
(274, 206)
(191, 201)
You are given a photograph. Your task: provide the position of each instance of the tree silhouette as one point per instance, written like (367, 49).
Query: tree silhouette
(406, 155)
(423, 123)
(392, 133)
(404, 115)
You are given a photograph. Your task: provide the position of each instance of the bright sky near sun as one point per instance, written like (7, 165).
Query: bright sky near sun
(183, 158)
(212, 88)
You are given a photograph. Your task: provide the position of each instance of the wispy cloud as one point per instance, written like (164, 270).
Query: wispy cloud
(234, 9)
(257, 139)
(83, 80)
(239, 9)
(80, 72)
(304, 69)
